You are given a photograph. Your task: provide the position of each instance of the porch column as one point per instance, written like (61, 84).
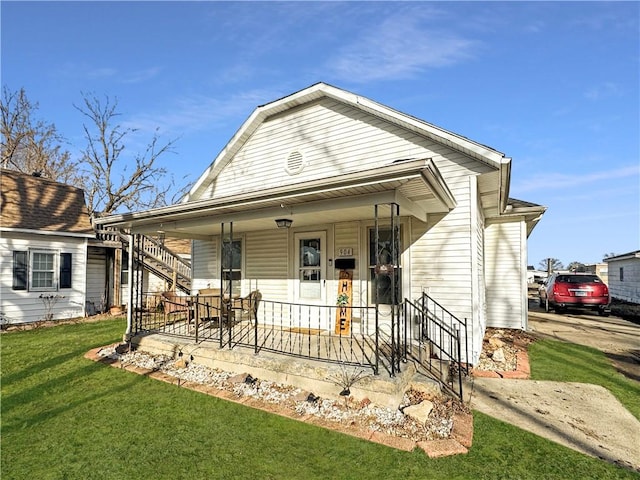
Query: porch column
(130, 285)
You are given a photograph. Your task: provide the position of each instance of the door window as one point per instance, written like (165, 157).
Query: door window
(310, 268)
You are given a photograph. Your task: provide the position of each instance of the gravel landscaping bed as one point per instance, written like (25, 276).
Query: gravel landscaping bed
(433, 421)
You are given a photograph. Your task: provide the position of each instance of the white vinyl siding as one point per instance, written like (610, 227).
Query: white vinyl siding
(441, 254)
(478, 326)
(97, 279)
(204, 265)
(267, 264)
(333, 139)
(505, 273)
(629, 287)
(347, 236)
(18, 306)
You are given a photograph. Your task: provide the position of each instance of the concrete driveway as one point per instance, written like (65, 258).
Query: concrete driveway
(586, 418)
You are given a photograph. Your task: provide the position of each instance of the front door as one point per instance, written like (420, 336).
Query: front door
(310, 268)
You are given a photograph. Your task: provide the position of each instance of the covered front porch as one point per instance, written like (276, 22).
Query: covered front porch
(330, 260)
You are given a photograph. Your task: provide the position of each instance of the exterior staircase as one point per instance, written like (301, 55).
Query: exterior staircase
(154, 256)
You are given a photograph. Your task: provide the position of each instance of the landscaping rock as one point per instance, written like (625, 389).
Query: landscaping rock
(498, 356)
(419, 412)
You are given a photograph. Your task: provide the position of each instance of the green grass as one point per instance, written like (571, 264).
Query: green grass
(65, 417)
(568, 362)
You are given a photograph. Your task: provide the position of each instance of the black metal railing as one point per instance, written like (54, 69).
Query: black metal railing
(311, 331)
(437, 340)
(296, 329)
(421, 331)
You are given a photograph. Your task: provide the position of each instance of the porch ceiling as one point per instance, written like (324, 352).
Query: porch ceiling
(416, 185)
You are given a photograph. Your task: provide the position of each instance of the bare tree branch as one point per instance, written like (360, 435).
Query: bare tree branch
(30, 145)
(108, 181)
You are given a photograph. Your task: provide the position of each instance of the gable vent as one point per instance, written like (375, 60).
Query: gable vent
(295, 163)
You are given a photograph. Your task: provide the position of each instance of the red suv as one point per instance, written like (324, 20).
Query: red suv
(579, 290)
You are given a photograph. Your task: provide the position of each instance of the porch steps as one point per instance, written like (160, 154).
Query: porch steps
(320, 378)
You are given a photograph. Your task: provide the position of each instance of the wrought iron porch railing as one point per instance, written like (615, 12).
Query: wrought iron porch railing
(439, 341)
(422, 331)
(300, 330)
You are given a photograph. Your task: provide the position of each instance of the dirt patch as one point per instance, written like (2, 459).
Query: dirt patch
(501, 349)
(627, 363)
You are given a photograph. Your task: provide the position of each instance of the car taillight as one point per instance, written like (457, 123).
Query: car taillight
(560, 289)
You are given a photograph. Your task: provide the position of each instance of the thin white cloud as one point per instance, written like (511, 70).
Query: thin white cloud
(550, 181)
(78, 71)
(198, 113)
(400, 47)
(139, 76)
(101, 72)
(603, 91)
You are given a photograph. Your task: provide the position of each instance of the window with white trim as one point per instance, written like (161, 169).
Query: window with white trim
(40, 270)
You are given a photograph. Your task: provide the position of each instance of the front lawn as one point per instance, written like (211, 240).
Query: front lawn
(65, 417)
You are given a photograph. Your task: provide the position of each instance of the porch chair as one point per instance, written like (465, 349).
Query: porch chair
(174, 305)
(247, 307)
(208, 304)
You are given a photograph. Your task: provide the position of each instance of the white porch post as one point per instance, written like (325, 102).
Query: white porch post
(130, 286)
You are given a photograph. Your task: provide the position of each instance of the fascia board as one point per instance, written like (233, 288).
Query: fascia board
(47, 232)
(406, 170)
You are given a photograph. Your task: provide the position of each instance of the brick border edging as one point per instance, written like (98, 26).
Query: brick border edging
(459, 442)
(522, 371)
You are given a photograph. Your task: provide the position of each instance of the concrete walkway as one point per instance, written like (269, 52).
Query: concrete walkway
(586, 418)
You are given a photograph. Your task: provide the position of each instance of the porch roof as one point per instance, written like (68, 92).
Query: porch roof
(416, 185)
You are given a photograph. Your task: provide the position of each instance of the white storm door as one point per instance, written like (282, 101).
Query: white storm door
(311, 268)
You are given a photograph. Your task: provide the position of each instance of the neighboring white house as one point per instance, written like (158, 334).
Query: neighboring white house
(45, 228)
(624, 276)
(332, 164)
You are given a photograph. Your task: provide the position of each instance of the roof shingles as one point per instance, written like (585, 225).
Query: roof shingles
(40, 204)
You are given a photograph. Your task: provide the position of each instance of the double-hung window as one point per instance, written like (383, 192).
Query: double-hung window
(40, 270)
(43, 270)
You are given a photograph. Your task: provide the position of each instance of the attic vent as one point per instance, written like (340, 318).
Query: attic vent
(295, 163)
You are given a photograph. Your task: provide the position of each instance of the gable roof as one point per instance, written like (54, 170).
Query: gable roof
(320, 90)
(39, 205)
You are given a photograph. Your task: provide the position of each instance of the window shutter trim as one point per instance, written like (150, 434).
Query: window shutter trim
(20, 270)
(65, 270)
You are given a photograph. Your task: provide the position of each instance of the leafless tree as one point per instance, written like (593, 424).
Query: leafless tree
(550, 264)
(31, 145)
(112, 180)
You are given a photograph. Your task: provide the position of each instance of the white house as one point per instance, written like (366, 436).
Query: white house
(353, 181)
(45, 228)
(624, 276)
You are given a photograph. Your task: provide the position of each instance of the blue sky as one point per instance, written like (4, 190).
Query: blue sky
(555, 86)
